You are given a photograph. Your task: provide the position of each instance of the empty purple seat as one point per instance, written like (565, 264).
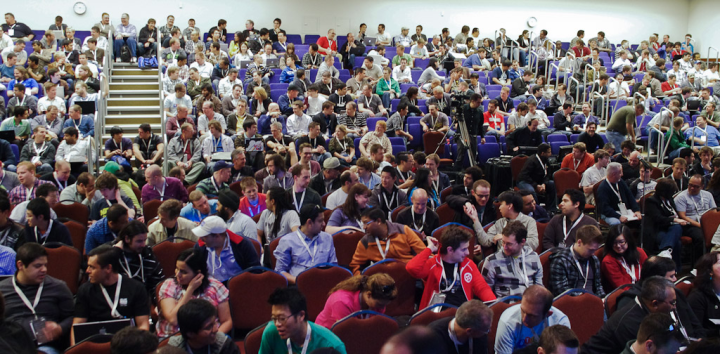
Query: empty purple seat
(487, 151)
(294, 39)
(275, 94)
(416, 131)
(311, 38)
(557, 137)
(413, 120)
(555, 146)
(357, 147)
(404, 87)
(398, 148)
(422, 63)
(279, 86)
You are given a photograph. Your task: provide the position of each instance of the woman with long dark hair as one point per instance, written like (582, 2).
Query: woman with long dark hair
(430, 72)
(422, 180)
(347, 217)
(360, 292)
(191, 281)
(705, 297)
(662, 223)
(623, 260)
(411, 99)
(279, 218)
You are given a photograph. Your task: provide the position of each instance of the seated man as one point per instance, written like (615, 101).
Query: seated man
(298, 122)
(82, 191)
(561, 230)
(396, 124)
(295, 330)
(54, 301)
(92, 304)
(435, 120)
(316, 141)
(525, 136)
(653, 333)
(213, 185)
(614, 201)
(356, 122)
(691, 204)
(148, 148)
(107, 185)
(577, 267)
(519, 325)
(451, 261)
(199, 331)
(417, 216)
(327, 181)
(215, 142)
(73, 149)
(375, 245)
(466, 332)
(185, 151)
(61, 177)
(209, 114)
(162, 188)
(515, 267)
(579, 160)
(534, 177)
(170, 224)
(138, 260)
(338, 197)
(125, 34)
(106, 229)
(294, 254)
(590, 138)
(477, 199)
(239, 169)
(531, 208)
(199, 207)
(28, 184)
(119, 149)
(631, 168)
(233, 252)
(299, 189)
(237, 222)
(41, 227)
(511, 206)
(39, 152)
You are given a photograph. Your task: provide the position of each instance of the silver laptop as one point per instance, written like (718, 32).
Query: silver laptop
(86, 330)
(369, 41)
(60, 91)
(377, 59)
(272, 63)
(224, 156)
(59, 35)
(224, 47)
(245, 63)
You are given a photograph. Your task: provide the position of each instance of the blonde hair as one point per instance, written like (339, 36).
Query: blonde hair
(261, 93)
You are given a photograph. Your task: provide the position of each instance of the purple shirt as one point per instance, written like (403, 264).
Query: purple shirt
(339, 219)
(174, 189)
(581, 120)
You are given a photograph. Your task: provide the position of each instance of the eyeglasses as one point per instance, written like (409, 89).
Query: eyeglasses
(620, 242)
(694, 186)
(279, 319)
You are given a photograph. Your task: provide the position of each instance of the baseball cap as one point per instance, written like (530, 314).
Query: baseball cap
(211, 225)
(331, 163)
(112, 167)
(220, 165)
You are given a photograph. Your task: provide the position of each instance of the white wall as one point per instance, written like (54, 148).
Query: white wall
(633, 20)
(702, 15)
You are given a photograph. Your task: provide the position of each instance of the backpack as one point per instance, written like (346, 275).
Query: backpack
(125, 53)
(147, 63)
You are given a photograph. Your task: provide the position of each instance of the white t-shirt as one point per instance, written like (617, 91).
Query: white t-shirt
(590, 177)
(289, 220)
(336, 199)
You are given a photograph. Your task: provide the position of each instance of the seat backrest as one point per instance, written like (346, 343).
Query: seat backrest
(710, 221)
(150, 209)
(445, 213)
(445, 193)
(404, 304)
(396, 212)
(249, 292)
(431, 140)
(685, 285)
(345, 245)
(316, 283)
(516, 165)
(497, 309)
(585, 312)
(271, 249)
(191, 188)
(253, 340)
(545, 263)
(257, 246)
(78, 232)
(167, 253)
(235, 187)
(64, 264)
(97, 344)
(566, 179)
(75, 211)
(611, 299)
(356, 332)
(428, 315)
(541, 233)
(326, 214)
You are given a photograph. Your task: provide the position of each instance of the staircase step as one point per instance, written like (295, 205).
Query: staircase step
(122, 110)
(122, 86)
(134, 102)
(136, 71)
(145, 79)
(136, 94)
(117, 120)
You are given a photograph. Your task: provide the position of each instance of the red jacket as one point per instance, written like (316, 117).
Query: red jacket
(246, 209)
(614, 274)
(423, 266)
(323, 42)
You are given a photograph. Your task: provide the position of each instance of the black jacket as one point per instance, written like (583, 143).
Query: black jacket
(412, 108)
(560, 122)
(519, 87)
(533, 172)
(474, 119)
(706, 308)
(318, 184)
(456, 202)
(620, 328)
(608, 203)
(146, 34)
(6, 154)
(524, 137)
(326, 122)
(657, 218)
(440, 327)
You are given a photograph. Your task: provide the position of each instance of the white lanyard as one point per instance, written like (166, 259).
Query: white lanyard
(215, 143)
(5, 234)
(617, 191)
(45, 235)
(329, 87)
(302, 239)
(442, 276)
(341, 144)
(25, 299)
(212, 180)
(298, 206)
(542, 164)
(367, 104)
(126, 268)
(387, 246)
(630, 270)
(566, 232)
(666, 205)
(213, 255)
(702, 204)
(29, 192)
(283, 183)
(388, 204)
(679, 185)
(113, 304)
(401, 174)
(576, 164)
(587, 271)
(283, 45)
(412, 214)
(60, 184)
(185, 146)
(524, 270)
(116, 144)
(453, 337)
(162, 192)
(42, 149)
(305, 345)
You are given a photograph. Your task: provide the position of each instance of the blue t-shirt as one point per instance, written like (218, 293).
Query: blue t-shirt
(7, 71)
(499, 74)
(712, 134)
(192, 214)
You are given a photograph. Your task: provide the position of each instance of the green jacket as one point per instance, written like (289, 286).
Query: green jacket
(677, 140)
(382, 86)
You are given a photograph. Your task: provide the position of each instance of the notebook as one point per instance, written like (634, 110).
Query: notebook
(85, 330)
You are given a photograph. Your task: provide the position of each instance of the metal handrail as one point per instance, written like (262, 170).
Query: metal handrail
(717, 57)
(537, 62)
(660, 154)
(102, 108)
(557, 70)
(692, 145)
(585, 75)
(161, 106)
(577, 89)
(602, 112)
(512, 51)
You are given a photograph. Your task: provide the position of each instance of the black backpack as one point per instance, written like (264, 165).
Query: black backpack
(125, 53)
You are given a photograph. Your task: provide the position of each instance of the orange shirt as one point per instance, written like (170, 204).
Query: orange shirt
(579, 166)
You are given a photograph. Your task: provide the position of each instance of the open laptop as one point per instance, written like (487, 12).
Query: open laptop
(224, 156)
(224, 47)
(272, 63)
(245, 63)
(369, 41)
(59, 35)
(88, 107)
(377, 59)
(254, 145)
(85, 330)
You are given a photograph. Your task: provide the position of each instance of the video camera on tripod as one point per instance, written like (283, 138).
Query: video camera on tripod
(456, 102)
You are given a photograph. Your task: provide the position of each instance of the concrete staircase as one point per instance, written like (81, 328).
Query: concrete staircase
(134, 99)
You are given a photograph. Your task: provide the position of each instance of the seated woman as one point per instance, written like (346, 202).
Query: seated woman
(191, 281)
(422, 180)
(347, 217)
(290, 53)
(623, 260)
(411, 99)
(360, 292)
(704, 299)
(662, 222)
(269, 227)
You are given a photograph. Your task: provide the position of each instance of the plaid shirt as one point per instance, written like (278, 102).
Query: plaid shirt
(564, 273)
(19, 194)
(216, 293)
(508, 275)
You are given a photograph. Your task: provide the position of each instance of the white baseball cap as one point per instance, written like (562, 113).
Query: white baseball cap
(211, 225)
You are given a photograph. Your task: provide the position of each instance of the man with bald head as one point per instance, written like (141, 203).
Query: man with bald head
(418, 217)
(61, 177)
(519, 325)
(162, 188)
(615, 201)
(631, 168)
